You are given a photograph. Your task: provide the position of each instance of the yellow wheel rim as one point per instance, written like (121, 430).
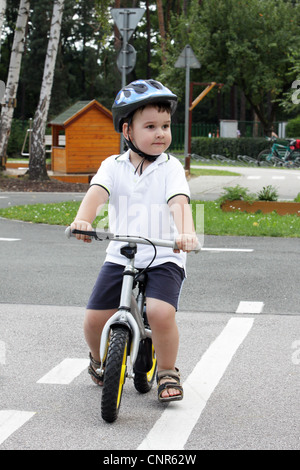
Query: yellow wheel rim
(152, 370)
(122, 376)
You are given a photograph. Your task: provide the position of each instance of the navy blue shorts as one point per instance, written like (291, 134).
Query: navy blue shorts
(164, 283)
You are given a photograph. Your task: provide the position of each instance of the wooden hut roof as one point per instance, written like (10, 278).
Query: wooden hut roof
(75, 111)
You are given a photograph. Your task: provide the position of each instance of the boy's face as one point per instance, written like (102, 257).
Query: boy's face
(150, 130)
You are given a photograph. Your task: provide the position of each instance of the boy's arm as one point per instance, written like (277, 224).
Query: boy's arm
(182, 214)
(90, 207)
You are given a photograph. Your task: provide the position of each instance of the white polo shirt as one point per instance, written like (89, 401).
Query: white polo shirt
(138, 205)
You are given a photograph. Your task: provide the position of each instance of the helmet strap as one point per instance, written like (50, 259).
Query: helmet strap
(132, 147)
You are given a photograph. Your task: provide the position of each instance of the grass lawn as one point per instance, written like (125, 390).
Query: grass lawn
(216, 222)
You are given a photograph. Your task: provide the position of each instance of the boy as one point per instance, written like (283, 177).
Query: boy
(138, 183)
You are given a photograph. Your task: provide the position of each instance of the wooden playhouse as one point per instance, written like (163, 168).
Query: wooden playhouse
(87, 130)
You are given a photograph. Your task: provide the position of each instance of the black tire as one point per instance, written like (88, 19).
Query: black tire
(143, 381)
(262, 158)
(115, 373)
(294, 157)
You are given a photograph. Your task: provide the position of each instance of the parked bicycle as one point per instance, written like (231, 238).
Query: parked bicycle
(280, 154)
(127, 333)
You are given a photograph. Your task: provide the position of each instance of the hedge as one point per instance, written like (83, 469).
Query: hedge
(293, 128)
(227, 147)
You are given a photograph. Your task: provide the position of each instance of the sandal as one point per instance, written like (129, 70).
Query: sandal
(92, 370)
(173, 375)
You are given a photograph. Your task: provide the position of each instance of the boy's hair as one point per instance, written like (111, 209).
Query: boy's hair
(161, 107)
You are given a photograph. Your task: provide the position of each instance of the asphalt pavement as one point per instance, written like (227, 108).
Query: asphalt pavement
(286, 181)
(239, 323)
(205, 188)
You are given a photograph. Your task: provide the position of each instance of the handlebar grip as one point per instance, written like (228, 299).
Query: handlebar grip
(71, 233)
(92, 234)
(68, 232)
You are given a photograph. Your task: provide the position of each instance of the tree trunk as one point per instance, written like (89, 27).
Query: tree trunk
(162, 31)
(7, 110)
(148, 69)
(2, 13)
(37, 160)
(2, 84)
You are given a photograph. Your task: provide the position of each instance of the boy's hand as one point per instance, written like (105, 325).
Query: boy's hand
(82, 225)
(187, 242)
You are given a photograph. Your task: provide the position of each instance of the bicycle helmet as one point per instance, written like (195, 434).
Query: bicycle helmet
(133, 96)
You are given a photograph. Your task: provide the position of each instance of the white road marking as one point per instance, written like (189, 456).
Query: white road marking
(172, 429)
(9, 239)
(11, 420)
(245, 250)
(64, 372)
(2, 352)
(250, 307)
(278, 177)
(253, 177)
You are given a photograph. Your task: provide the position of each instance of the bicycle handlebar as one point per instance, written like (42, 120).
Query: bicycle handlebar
(124, 238)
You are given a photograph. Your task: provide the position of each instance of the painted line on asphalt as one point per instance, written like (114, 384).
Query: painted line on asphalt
(171, 431)
(11, 421)
(65, 372)
(250, 307)
(10, 239)
(2, 352)
(242, 250)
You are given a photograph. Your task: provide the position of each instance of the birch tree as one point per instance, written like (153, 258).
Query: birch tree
(37, 161)
(7, 110)
(2, 13)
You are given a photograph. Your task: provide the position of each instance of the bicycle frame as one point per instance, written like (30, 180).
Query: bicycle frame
(126, 333)
(129, 313)
(281, 151)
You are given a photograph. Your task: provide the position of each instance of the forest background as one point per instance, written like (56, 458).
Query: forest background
(250, 46)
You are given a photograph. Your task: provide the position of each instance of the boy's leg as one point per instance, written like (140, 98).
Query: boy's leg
(94, 322)
(165, 336)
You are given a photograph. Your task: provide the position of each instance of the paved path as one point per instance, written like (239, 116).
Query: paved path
(287, 182)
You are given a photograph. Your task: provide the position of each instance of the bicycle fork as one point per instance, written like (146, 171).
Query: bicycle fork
(128, 312)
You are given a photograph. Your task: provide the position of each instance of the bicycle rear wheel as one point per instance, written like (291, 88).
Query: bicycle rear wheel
(294, 159)
(115, 373)
(143, 380)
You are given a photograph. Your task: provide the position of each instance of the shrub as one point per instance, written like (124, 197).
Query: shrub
(230, 148)
(297, 198)
(236, 193)
(268, 193)
(293, 127)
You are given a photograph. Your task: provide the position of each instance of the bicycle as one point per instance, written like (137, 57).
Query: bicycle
(286, 155)
(127, 333)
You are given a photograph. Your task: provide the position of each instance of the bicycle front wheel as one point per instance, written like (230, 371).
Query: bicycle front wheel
(265, 158)
(115, 373)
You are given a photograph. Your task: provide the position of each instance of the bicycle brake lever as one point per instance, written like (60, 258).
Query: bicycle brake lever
(94, 234)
